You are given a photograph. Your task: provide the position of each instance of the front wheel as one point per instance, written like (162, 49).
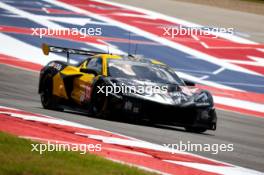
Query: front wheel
(100, 104)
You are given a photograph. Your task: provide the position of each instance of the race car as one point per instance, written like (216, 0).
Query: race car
(108, 85)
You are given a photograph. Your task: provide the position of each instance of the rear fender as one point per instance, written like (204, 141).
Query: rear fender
(50, 70)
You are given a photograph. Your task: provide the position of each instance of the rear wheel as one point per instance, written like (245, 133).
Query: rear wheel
(48, 101)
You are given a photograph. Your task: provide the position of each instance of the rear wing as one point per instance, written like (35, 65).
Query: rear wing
(46, 49)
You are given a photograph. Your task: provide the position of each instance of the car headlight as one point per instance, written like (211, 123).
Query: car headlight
(204, 98)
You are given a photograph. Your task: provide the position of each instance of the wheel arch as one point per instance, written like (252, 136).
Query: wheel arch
(50, 70)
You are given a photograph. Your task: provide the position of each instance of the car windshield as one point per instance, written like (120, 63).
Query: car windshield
(142, 71)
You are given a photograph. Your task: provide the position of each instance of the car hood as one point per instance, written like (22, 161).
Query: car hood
(184, 96)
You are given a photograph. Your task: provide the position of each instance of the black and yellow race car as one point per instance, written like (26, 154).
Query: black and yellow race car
(106, 84)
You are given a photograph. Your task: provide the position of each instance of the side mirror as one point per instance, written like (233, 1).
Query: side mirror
(89, 71)
(189, 83)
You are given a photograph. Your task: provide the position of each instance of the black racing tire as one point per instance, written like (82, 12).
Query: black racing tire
(195, 129)
(100, 104)
(48, 101)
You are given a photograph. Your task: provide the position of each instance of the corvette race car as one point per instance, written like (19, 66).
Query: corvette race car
(105, 85)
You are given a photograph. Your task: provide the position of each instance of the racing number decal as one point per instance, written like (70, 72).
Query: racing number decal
(86, 95)
(55, 66)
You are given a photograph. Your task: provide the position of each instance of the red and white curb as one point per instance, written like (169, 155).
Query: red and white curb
(115, 146)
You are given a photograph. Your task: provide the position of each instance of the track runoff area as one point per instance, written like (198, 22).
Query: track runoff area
(230, 67)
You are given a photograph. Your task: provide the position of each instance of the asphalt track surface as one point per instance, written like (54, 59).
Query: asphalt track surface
(18, 89)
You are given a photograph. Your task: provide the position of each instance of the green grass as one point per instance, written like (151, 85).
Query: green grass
(257, 1)
(16, 158)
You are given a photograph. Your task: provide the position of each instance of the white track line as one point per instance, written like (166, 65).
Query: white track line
(219, 70)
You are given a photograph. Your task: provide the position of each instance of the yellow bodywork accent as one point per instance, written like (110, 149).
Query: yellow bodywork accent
(58, 84)
(82, 82)
(58, 87)
(156, 62)
(105, 58)
(71, 70)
